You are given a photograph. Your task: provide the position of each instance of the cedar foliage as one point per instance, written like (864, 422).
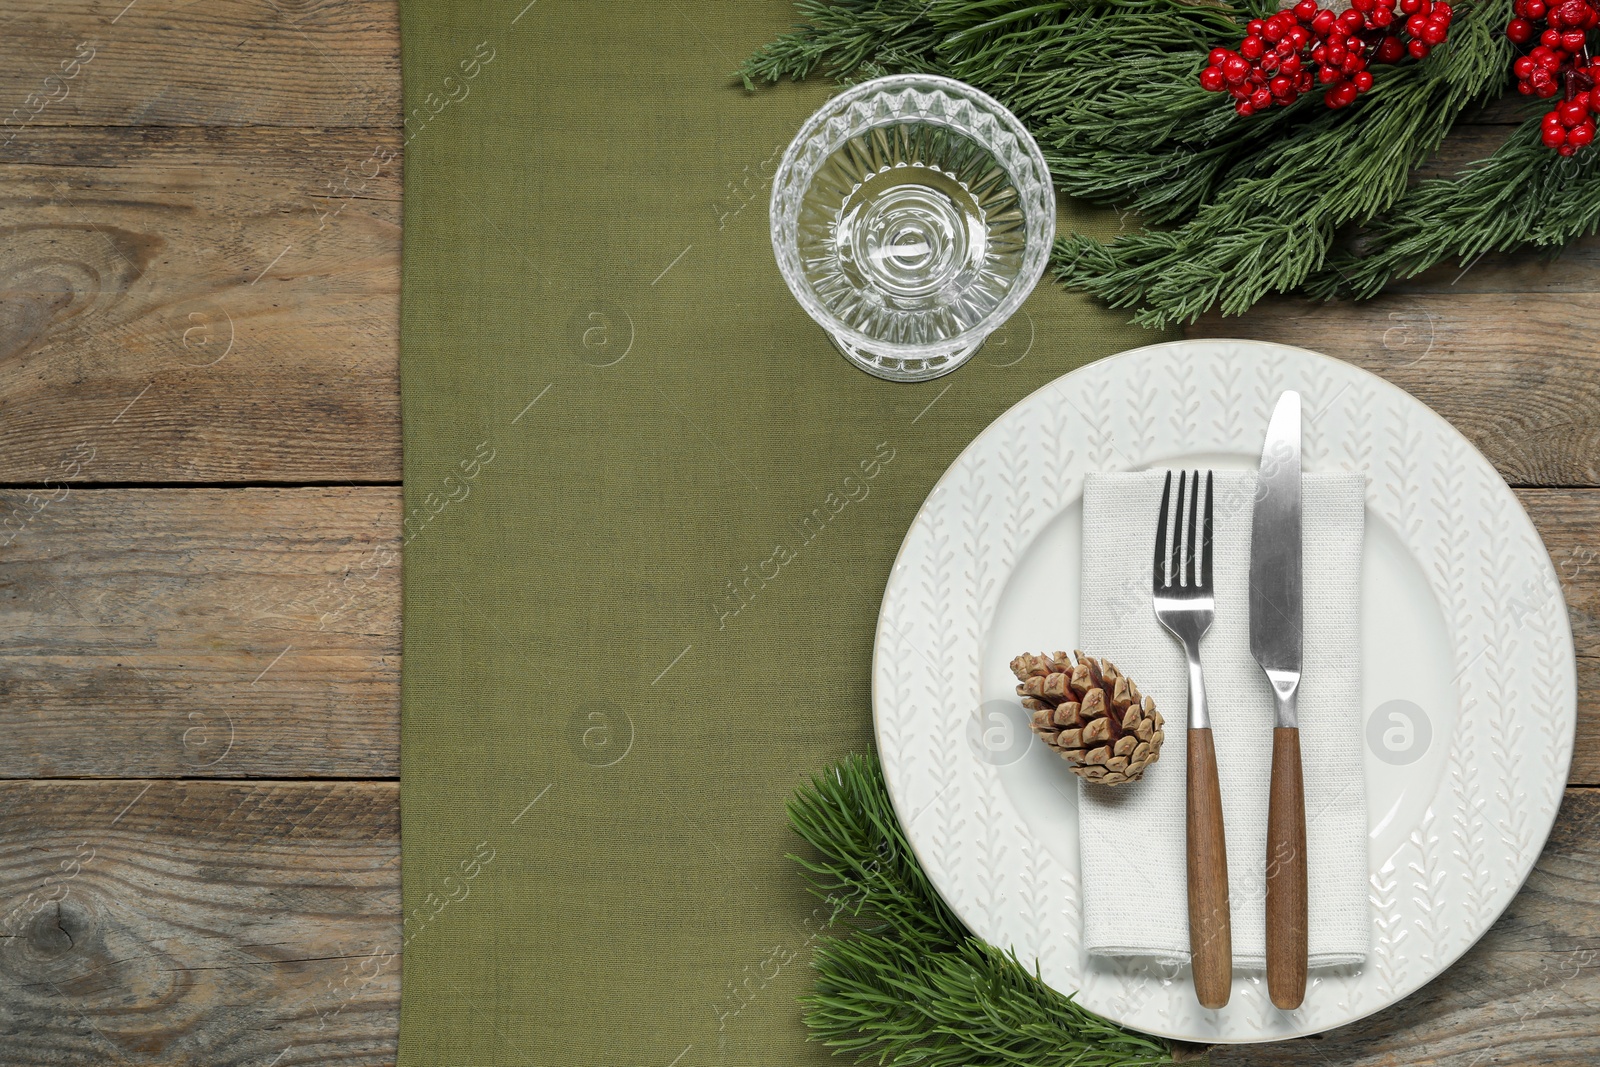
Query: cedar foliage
(1232, 209)
(903, 983)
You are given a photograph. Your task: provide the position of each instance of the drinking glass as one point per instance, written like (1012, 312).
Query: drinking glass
(911, 216)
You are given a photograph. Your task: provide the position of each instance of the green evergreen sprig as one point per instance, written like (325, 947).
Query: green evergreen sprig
(1234, 209)
(907, 984)
(1524, 194)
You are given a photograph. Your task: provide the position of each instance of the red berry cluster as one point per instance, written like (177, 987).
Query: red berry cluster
(1559, 63)
(1284, 56)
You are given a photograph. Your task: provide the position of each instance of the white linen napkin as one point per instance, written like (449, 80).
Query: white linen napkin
(1131, 838)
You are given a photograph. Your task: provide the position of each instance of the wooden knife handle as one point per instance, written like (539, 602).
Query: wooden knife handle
(1286, 874)
(1210, 929)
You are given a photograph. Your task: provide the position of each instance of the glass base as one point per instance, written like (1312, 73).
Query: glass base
(900, 368)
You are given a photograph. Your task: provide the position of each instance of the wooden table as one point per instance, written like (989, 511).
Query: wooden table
(199, 592)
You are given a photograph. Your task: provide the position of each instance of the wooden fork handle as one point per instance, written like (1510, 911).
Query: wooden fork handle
(1287, 933)
(1210, 929)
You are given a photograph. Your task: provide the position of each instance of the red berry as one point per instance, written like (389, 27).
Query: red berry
(1409, 7)
(1212, 81)
(1351, 19)
(1305, 10)
(1581, 135)
(1523, 67)
(1570, 112)
(1255, 27)
(1252, 47)
(1323, 23)
(1417, 49)
(1363, 81)
(1342, 95)
(1567, 149)
(1549, 38)
(1573, 40)
(1390, 49)
(1571, 14)
(1552, 136)
(1415, 23)
(1261, 99)
(1534, 9)
(1435, 32)
(1243, 107)
(1217, 57)
(1281, 87)
(1234, 68)
(1381, 18)
(1520, 31)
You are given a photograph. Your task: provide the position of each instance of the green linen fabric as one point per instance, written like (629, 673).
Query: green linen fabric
(650, 513)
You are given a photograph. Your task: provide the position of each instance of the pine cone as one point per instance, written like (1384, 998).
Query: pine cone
(1090, 713)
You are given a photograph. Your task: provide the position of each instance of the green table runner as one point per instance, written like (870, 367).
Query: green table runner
(649, 516)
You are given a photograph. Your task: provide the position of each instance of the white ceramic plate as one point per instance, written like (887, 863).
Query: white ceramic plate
(1469, 687)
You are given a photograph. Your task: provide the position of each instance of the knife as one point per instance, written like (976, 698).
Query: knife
(1275, 621)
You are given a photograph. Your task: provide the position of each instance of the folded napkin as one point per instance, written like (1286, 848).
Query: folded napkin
(1135, 890)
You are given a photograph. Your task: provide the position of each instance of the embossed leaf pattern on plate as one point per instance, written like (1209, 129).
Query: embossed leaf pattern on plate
(1462, 851)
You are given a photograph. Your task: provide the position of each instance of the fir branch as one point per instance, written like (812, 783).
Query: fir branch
(1108, 87)
(1524, 194)
(1270, 227)
(908, 985)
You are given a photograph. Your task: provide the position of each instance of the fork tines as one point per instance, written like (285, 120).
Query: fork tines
(1176, 566)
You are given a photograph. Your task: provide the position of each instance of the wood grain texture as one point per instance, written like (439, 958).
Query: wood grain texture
(220, 923)
(200, 589)
(218, 63)
(1288, 928)
(1508, 368)
(214, 923)
(200, 305)
(1529, 992)
(200, 633)
(1210, 922)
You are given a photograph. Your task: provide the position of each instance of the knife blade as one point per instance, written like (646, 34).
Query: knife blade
(1276, 594)
(1275, 587)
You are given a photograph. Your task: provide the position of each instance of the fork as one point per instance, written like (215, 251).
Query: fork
(1185, 605)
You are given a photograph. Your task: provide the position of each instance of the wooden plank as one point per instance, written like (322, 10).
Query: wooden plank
(1529, 992)
(136, 624)
(200, 632)
(217, 923)
(224, 923)
(1509, 369)
(193, 305)
(220, 63)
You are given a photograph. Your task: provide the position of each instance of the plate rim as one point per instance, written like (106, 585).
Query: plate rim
(1567, 709)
